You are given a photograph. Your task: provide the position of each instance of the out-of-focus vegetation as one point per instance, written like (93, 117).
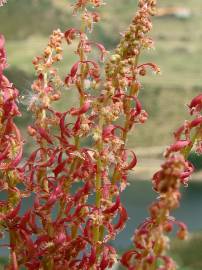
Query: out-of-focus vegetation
(187, 253)
(196, 160)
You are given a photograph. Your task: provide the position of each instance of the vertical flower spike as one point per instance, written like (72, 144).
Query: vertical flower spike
(118, 98)
(11, 147)
(150, 239)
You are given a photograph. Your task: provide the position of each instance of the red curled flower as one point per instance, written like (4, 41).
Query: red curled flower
(178, 146)
(70, 34)
(196, 104)
(154, 67)
(108, 131)
(100, 47)
(196, 122)
(127, 256)
(114, 207)
(123, 217)
(44, 134)
(82, 110)
(133, 162)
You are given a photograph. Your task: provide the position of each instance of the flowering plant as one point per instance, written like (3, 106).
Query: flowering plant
(75, 188)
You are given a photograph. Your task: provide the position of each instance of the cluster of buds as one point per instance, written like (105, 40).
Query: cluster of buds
(82, 4)
(125, 58)
(47, 87)
(150, 239)
(52, 53)
(88, 17)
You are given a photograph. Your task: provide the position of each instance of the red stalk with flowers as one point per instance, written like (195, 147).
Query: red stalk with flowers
(79, 235)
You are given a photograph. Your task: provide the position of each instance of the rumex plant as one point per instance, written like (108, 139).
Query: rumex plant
(150, 238)
(11, 145)
(75, 187)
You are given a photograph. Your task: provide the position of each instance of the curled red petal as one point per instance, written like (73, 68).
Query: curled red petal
(60, 167)
(154, 67)
(63, 127)
(187, 173)
(179, 132)
(101, 48)
(32, 223)
(50, 161)
(55, 195)
(32, 157)
(104, 262)
(44, 134)
(74, 69)
(114, 207)
(178, 146)
(77, 124)
(14, 212)
(93, 63)
(123, 216)
(92, 257)
(138, 106)
(87, 232)
(81, 110)
(82, 191)
(127, 256)
(71, 76)
(25, 219)
(28, 241)
(109, 130)
(196, 122)
(69, 34)
(196, 101)
(133, 162)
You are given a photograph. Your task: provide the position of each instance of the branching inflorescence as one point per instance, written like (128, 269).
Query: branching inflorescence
(150, 238)
(75, 187)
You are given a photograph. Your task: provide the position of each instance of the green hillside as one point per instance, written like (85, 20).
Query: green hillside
(27, 24)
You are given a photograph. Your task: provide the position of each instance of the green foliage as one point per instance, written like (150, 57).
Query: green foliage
(3, 261)
(196, 160)
(188, 253)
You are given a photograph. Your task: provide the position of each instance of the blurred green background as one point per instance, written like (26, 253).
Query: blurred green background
(27, 24)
